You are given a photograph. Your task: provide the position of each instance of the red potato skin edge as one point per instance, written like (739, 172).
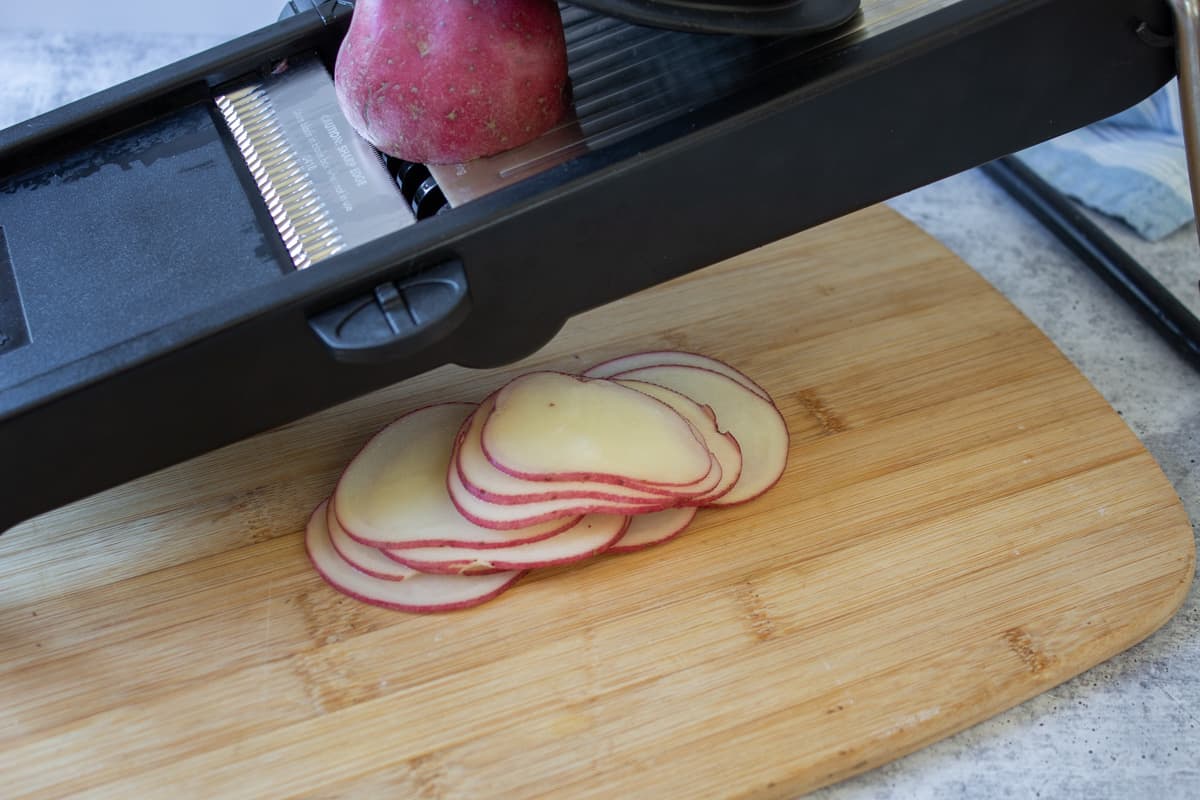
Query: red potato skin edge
(464, 567)
(669, 502)
(418, 609)
(540, 497)
(567, 521)
(333, 496)
(574, 512)
(364, 570)
(750, 499)
(543, 497)
(381, 576)
(786, 432)
(720, 504)
(753, 384)
(617, 480)
(711, 498)
(407, 608)
(582, 511)
(617, 550)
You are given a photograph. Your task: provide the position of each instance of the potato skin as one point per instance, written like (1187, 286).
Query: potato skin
(448, 81)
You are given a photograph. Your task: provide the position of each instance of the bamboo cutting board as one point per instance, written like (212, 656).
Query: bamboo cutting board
(963, 524)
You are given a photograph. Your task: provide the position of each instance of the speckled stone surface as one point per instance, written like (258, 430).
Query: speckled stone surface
(1128, 728)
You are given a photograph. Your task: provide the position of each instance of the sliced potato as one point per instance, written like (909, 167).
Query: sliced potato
(552, 426)
(481, 478)
(678, 358)
(723, 446)
(592, 535)
(646, 530)
(363, 557)
(420, 593)
(755, 422)
(394, 491)
(503, 517)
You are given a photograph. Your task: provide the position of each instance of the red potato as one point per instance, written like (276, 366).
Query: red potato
(503, 517)
(592, 535)
(675, 358)
(393, 493)
(723, 446)
(364, 558)
(754, 421)
(419, 593)
(481, 478)
(451, 81)
(550, 426)
(651, 529)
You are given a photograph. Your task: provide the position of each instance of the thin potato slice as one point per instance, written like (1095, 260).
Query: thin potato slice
(419, 593)
(592, 535)
(363, 557)
(393, 494)
(551, 426)
(723, 446)
(756, 424)
(651, 529)
(481, 477)
(502, 517)
(675, 358)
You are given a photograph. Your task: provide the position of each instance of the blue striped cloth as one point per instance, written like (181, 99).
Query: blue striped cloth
(1132, 166)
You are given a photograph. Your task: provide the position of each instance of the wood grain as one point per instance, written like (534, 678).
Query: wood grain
(963, 523)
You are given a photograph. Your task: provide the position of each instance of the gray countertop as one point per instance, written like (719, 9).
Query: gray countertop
(1128, 727)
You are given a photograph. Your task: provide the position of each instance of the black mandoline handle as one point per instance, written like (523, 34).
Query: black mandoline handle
(398, 318)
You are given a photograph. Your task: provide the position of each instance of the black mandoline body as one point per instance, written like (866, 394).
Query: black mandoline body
(162, 318)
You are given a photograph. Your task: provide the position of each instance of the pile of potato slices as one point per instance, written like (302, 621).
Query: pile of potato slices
(449, 505)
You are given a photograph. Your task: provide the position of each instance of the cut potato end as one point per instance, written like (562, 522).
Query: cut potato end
(419, 594)
(592, 535)
(679, 358)
(481, 478)
(651, 529)
(755, 423)
(552, 426)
